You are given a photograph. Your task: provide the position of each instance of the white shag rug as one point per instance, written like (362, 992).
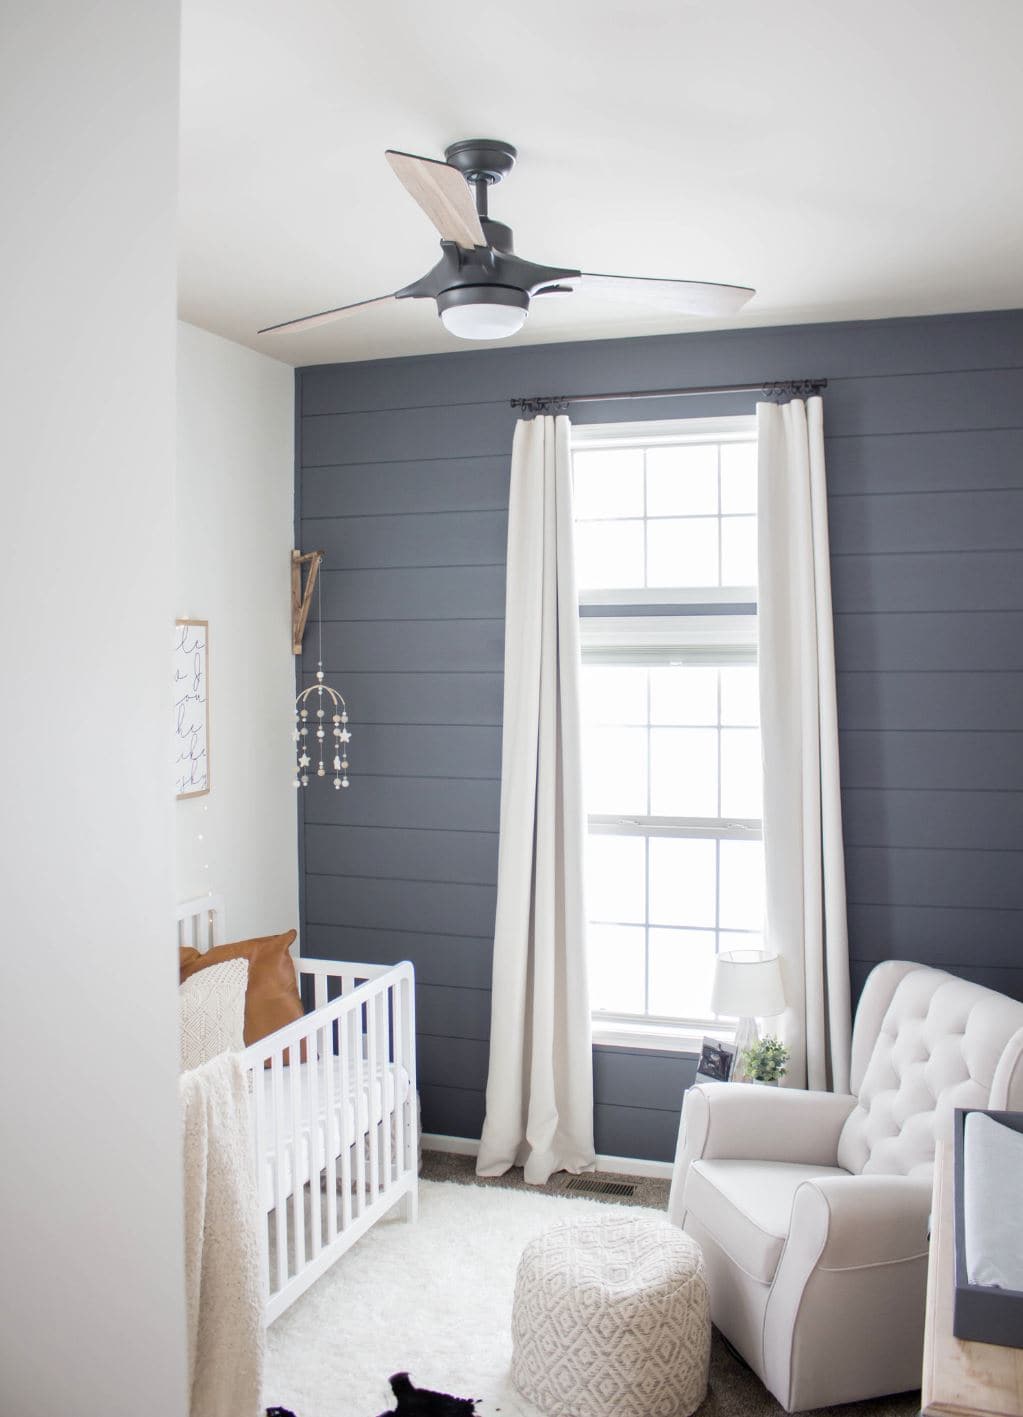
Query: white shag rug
(432, 1299)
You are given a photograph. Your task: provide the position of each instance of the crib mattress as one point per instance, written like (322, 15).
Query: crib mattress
(348, 1121)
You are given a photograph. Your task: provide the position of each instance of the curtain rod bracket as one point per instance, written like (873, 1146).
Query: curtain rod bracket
(541, 405)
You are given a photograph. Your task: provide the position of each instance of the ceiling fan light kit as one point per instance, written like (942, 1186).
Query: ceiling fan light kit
(483, 311)
(481, 288)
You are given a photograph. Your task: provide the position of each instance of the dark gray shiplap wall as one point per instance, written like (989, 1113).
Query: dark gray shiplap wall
(402, 480)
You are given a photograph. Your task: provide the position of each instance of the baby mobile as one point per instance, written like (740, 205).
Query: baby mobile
(314, 741)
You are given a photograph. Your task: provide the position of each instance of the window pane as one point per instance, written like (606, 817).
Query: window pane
(613, 694)
(683, 881)
(739, 551)
(740, 696)
(617, 968)
(683, 772)
(681, 972)
(615, 770)
(742, 888)
(683, 696)
(741, 773)
(738, 477)
(682, 552)
(608, 483)
(682, 482)
(609, 555)
(616, 878)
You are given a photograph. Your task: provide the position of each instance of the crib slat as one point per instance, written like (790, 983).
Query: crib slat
(374, 1084)
(332, 1123)
(398, 1097)
(386, 1082)
(280, 1203)
(257, 1077)
(408, 1036)
(299, 1163)
(344, 1141)
(319, 990)
(358, 1094)
(319, 1135)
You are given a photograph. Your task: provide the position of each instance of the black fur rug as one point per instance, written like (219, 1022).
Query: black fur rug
(420, 1402)
(412, 1402)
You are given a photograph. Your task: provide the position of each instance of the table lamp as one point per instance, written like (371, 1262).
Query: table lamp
(747, 986)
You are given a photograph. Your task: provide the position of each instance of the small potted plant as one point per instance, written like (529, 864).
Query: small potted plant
(764, 1061)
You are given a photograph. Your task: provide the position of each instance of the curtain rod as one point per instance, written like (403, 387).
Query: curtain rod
(788, 388)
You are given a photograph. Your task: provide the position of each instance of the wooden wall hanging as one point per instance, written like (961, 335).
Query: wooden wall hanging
(302, 597)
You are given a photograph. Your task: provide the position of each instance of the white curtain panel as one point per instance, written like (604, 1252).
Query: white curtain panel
(805, 868)
(540, 1086)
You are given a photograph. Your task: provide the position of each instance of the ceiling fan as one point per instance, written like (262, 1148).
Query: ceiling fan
(482, 289)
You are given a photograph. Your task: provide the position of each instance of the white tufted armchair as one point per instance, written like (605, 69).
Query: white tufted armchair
(812, 1207)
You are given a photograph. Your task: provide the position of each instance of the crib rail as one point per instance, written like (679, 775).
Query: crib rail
(334, 1120)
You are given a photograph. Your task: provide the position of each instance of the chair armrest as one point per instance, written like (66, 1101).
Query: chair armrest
(737, 1121)
(740, 1121)
(859, 1221)
(849, 1288)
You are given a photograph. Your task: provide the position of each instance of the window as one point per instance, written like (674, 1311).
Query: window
(666, 562)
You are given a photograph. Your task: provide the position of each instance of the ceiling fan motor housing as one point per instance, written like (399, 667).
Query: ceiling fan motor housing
(482, 295)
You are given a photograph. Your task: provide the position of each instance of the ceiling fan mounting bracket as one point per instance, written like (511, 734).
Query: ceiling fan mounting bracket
(481, 159)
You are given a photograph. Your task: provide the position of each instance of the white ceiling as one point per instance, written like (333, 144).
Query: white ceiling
(854, 160)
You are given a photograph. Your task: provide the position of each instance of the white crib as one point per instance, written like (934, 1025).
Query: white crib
(334, 1137)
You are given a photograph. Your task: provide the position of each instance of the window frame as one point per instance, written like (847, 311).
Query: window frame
(712, 625)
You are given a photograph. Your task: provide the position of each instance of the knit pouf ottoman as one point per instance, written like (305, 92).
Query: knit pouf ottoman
(611, 1319)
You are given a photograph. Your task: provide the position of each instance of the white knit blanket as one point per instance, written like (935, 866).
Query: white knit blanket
(222, 1271)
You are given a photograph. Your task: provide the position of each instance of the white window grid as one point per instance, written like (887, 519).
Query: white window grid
(695, 432)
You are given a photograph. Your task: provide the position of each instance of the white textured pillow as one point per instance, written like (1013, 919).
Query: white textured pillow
(213, 1012)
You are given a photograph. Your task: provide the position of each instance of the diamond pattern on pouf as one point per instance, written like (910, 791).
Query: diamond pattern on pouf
(611, 1319)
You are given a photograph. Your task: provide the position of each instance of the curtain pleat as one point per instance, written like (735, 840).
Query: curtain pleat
(539, 1106)
(803, 851)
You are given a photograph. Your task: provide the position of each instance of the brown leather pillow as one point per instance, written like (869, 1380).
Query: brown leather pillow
(271, 998)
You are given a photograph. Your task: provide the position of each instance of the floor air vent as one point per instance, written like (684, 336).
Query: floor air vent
(592, 1187)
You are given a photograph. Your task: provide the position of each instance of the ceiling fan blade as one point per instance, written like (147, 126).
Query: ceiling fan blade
(681, 297)
(325, 317)
(443, 194)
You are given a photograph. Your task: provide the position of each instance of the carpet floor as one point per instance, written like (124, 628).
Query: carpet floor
(646, 1190)
(434, 1299)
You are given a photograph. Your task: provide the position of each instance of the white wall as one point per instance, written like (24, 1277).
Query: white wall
(91, 1288)
(235, 531)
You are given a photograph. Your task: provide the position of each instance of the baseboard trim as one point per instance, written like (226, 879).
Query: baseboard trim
(625, 1165)
(635, 1166)
(459, 1146)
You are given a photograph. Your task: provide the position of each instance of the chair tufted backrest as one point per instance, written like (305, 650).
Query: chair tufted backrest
(925, 1042)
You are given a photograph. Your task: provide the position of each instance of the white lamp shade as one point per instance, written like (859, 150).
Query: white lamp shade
(747, 984)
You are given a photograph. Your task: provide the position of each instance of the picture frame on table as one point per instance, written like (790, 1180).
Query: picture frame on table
(716, 1062)
(191, 677)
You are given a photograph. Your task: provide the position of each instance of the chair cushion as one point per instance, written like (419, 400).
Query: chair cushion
(937, 1048)
(746, 1206)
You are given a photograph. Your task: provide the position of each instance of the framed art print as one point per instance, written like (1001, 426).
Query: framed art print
(717, 1061)
(191, 708)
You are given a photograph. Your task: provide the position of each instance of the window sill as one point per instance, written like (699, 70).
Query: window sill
(659, 1038)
